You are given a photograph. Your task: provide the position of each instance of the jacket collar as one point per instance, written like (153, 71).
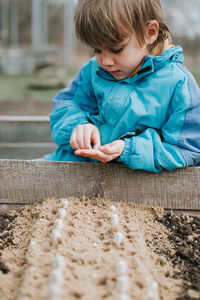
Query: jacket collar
(149, 64)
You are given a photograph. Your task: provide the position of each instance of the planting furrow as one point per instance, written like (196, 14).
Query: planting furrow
(89, 249)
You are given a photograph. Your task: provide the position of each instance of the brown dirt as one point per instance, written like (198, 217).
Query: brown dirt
(156, 248)
(6, 224)
(184, 235)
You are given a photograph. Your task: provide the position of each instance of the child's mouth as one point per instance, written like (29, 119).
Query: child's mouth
(115, 72)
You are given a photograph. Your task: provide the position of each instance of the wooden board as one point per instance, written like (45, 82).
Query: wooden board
(22, 129)
(25, 137)
(26, 182)
(25, 150)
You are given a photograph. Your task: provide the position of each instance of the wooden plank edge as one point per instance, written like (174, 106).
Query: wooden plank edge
(28, 145)
(17, 206)
(24, 119)
(28, 182)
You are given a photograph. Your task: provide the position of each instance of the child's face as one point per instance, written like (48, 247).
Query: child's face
(121, 60)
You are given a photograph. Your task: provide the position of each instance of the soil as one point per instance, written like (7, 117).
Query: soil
(6, 224)
(161, 252)
(184, 235)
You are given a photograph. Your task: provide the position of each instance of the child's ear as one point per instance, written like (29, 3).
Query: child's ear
(152, 30)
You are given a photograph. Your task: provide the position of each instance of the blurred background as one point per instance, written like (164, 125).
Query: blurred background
(39, 54)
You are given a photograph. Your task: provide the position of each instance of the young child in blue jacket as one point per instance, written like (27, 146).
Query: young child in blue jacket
(134, 102)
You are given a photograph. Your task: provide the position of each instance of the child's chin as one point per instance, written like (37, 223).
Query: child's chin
(119, 77)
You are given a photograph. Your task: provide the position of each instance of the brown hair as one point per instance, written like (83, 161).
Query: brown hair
(110, 21)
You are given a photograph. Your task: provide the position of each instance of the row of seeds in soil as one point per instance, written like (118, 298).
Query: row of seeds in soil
(82, 251)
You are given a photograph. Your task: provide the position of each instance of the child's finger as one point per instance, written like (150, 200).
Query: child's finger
(73, 142)
(95, 154)
(86, 152)
(79, 137)
(96, 146)
(108, 148)
(112, 148)
(87, 137)
(103, 149)
(95, 139)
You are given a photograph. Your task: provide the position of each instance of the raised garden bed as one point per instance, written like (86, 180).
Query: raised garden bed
(110, 242)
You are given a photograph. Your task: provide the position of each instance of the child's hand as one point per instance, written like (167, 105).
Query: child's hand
(104, 153)
(83, 135)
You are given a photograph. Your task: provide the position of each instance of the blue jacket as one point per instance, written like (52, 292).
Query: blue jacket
(156, 112)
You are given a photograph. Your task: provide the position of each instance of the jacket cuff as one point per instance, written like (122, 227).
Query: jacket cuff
(129, 146)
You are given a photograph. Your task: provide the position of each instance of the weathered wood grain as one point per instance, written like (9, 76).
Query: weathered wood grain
(26, 182)
(22, 129)
(25, 150)
(25, 137)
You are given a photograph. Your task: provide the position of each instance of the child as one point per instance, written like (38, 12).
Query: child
(134, 102)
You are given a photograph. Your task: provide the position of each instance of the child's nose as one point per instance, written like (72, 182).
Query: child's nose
(107, 60)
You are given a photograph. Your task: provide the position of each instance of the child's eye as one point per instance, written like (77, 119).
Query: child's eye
(117, 50)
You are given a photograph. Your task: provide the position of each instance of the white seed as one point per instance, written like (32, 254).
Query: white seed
(54, 290)
(33, 244)
(150, 295)
(58, 224)
(64, 203)
(118, 238)
(121, 267)
(124, 297)
(115, 219)
(58, 262)
(56, 235)
(113, 208)
(94, 275)
(155, 290)
(62, 212)
(122, 284)
(155, 285)
(56, 277)
(154, 294)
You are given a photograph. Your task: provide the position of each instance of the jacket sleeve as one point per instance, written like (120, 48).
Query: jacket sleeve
(71, 107)
(177, 144)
